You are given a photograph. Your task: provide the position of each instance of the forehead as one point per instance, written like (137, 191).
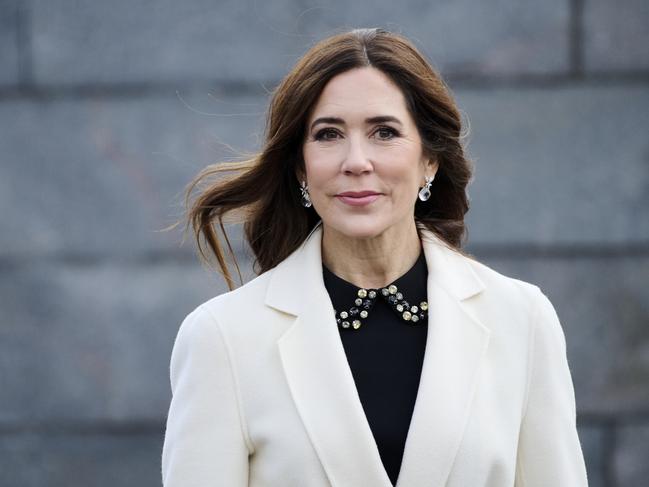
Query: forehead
(360, 92)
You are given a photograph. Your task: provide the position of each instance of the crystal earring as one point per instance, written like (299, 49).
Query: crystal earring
(424, 193)
(306, 199)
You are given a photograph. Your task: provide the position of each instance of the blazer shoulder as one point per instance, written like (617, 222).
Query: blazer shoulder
(524, 304)
(249, 295)
(498, 283)
(227, 312)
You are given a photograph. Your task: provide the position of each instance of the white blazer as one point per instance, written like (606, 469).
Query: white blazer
(263, 395)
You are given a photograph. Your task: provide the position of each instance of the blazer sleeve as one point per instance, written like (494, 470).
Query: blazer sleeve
(204, 443)
(549, 451)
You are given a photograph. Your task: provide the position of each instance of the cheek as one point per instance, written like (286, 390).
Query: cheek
(320, 167)
(402, 178)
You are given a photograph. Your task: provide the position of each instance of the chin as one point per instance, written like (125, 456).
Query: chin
(367, 226)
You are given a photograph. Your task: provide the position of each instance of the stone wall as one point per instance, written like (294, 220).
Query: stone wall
(108, 109)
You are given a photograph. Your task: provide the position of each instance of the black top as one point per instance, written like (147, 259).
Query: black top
(385, 356)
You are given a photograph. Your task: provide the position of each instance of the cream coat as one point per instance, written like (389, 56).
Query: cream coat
(263, 395)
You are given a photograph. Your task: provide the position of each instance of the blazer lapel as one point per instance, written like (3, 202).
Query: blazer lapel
(455, 348)
(323, 387)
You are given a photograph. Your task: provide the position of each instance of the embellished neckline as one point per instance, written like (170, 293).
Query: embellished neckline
(357, 307)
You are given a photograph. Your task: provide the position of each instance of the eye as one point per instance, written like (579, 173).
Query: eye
(386, 133)
(326, 134)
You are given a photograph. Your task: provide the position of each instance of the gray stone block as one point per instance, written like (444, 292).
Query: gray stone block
(150, 41)
(566, 165)
(616, 35)
(8, 42)
(592, 438)
(603, 306)
(104, 175)
(632, 455)
(69, 460)
(92, 342)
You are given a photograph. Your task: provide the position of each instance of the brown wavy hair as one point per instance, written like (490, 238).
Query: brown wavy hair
(264, 191)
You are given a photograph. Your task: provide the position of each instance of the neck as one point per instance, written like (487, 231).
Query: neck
(371, 262)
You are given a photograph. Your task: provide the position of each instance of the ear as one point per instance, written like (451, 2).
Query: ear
(432, 165)
(299, 176)
(299, 171)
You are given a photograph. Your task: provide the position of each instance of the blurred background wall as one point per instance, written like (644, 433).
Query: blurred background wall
(107, 110)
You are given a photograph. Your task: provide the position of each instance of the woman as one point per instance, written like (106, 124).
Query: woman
(370, 350)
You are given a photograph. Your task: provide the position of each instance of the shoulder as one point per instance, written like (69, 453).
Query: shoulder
(464, 273)
(513, 299)
(227, 307)
(497, 282)
(250, 294)
(236, 312)
(522, 301)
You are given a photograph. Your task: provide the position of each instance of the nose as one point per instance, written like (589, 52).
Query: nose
(356, 159)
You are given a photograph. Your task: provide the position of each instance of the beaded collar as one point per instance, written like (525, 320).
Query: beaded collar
(409, 310)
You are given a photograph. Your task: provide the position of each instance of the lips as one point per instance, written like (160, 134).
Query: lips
(357, 194)
(358, 198)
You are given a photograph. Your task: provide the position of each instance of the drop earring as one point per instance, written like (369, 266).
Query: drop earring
(424, 193)
(306, 199)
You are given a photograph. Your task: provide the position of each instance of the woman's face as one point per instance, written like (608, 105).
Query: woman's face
(362, 139)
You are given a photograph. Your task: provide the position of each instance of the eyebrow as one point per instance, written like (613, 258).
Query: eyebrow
(371, 120)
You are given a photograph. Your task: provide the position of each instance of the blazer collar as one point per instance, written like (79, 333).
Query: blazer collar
(323, 387)
(446, 268)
